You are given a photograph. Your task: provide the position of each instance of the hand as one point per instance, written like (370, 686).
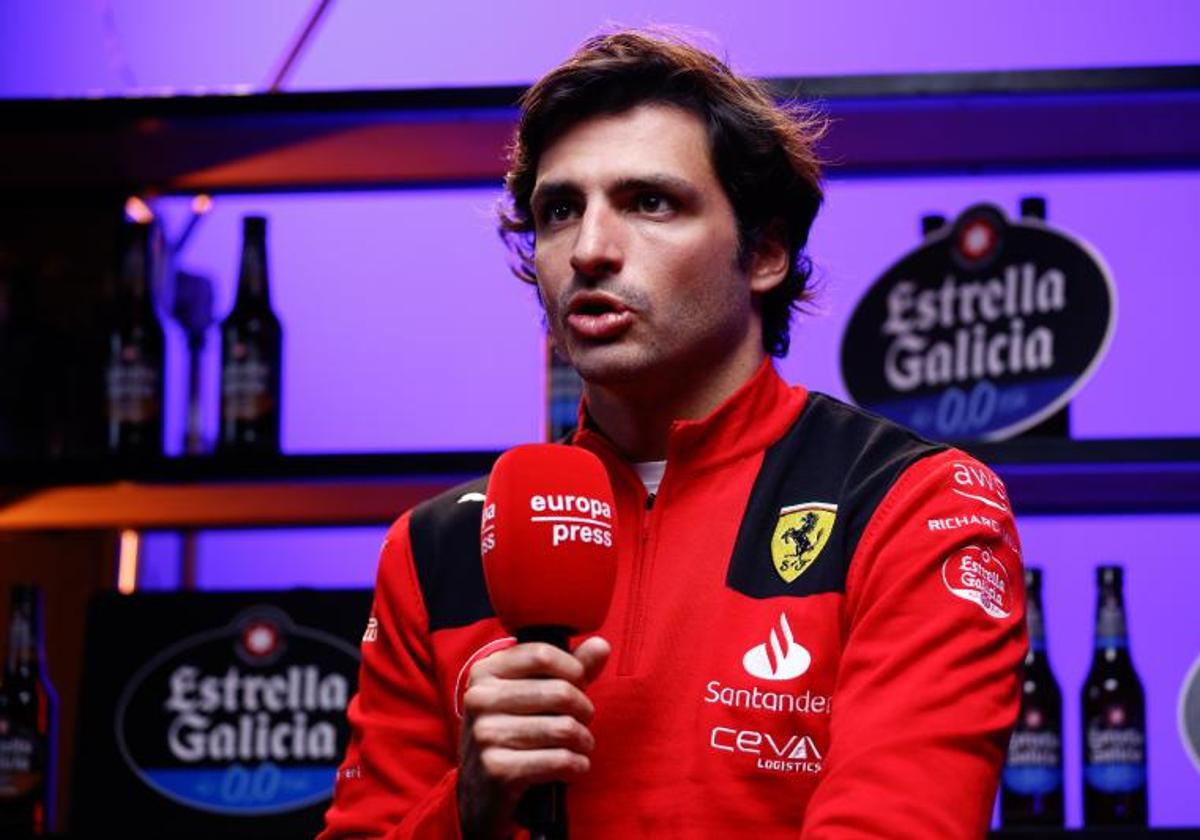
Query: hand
(525, 722)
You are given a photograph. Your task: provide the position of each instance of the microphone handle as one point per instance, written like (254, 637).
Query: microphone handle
(543, 808)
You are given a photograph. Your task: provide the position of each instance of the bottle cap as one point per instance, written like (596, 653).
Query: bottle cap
(931, 222)
(1033, 578)
(1033, 207)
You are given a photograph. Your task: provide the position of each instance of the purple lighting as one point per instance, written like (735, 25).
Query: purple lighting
(404, 330)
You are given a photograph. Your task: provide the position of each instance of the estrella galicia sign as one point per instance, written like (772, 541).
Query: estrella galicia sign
(1189, 713)
(244, 719)
(987, 328)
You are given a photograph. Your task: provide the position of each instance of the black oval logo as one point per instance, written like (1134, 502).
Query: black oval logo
(246, 719)
(986, 329)
(1189, 713)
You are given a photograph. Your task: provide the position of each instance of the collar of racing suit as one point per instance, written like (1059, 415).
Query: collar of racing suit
(752, 418)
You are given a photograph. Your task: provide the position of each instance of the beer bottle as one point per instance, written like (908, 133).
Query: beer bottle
(1031, 790)
(134, 370)
(28, 720)
(1114, 718)
(564, 389)
(251, 354)
(1058, 424)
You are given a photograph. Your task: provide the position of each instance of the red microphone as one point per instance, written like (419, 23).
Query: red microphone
(548, 540)
(549, 545)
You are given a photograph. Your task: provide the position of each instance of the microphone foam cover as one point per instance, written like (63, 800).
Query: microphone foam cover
(548, 538)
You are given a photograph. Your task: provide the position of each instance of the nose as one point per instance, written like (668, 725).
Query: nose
(598, 250)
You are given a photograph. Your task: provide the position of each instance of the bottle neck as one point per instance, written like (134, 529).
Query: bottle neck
(1035, 623)
(24, 656)
(1111, 632)
(252, 288)
(135, 271)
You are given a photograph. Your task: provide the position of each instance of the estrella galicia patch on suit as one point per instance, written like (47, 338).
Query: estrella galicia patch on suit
(445, 545)
(817, 489)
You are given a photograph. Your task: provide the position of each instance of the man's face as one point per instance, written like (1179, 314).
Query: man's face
(636, 251)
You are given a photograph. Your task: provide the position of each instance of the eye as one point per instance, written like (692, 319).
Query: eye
(556, 212)
(652, 203)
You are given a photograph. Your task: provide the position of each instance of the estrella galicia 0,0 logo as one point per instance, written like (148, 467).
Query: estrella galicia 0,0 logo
(245, 719)
(987, 328)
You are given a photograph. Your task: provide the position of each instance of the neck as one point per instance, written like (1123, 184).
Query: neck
(637, 417)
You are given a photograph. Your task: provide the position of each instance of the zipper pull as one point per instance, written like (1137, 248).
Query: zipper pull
(649, 500)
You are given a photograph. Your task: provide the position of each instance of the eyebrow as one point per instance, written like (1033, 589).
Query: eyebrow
(569, 189)
(552, 189)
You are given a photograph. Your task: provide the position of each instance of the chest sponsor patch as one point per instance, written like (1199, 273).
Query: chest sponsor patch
(781, 657)
(778, 752)
(975, 574)
(801, 533)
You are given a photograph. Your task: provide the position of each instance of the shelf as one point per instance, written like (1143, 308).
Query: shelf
(1043, 477)
(1093, 833)
(1056, 119)
(1098, 476)
(211, 493)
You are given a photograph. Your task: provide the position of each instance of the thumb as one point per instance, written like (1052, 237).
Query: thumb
(592, 653)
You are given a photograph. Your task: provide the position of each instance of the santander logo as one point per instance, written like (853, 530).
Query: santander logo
(781, 657)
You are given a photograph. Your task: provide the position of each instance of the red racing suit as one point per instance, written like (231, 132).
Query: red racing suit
(817, 631)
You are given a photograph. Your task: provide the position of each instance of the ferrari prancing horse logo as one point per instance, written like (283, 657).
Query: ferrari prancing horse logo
(800, 534)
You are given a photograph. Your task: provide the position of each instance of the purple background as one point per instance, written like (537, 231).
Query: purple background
(404, 331)
(61, 47)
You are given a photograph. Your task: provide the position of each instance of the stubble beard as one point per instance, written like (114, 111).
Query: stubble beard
(637, 363)
(607, 364)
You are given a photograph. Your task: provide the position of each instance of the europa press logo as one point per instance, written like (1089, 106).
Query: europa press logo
(987, 328)
(246, 719)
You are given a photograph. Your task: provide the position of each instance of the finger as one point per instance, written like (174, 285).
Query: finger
(532, 659)
(592, 654)
(532, 732)
(527, 697)
(532, 767)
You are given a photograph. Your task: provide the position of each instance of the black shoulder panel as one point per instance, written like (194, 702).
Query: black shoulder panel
(834, 458)
(445, 543)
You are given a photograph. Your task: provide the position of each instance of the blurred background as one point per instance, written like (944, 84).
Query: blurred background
(405, 333)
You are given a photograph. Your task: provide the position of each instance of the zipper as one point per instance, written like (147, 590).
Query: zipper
(639, 581)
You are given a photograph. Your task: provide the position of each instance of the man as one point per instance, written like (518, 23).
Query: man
(817, 624)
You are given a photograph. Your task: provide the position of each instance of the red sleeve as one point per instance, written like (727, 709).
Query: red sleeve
(928, 685)
(398, 779)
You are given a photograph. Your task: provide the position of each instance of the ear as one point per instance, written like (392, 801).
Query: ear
(769, 260)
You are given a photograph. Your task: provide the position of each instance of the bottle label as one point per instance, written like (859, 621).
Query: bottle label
(1115, 759)
(133, 389)
(1035, 626)
(1033, 765)
(1110, 626)
(246, 386)
(21, 760)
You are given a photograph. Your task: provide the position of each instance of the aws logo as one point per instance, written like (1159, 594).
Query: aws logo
(800, 535)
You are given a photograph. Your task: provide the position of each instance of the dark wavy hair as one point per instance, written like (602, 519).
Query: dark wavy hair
(763, 152)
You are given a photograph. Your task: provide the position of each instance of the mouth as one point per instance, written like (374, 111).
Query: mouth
(598, 316)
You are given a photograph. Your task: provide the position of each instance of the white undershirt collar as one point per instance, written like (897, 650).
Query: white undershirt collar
(651, 474)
